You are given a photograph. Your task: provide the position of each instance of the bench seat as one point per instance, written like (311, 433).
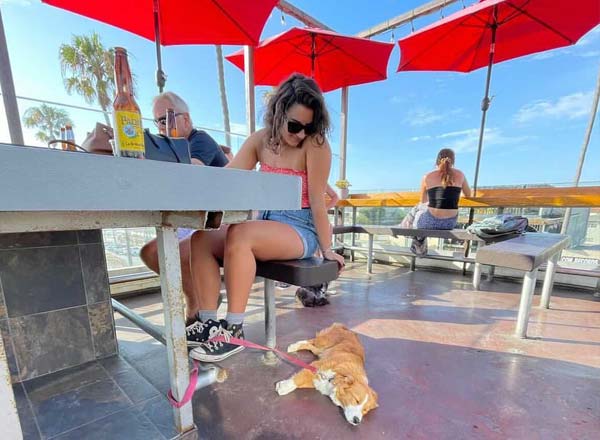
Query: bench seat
(526, 252)
(396, 231)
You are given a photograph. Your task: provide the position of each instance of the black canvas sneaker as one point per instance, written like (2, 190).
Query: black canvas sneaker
(200, 332)
(217, 351)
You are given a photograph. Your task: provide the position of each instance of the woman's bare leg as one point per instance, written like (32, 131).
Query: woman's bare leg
(261, 240)
(206, 248)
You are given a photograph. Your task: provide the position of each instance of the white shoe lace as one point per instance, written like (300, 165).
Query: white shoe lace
(194, 328)
(214, 332)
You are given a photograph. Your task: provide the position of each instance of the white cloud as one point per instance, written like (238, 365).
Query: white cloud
(420, 138)
(16, 2)
(467, 132)
(464, 141)
(422, 116)
(571, 106)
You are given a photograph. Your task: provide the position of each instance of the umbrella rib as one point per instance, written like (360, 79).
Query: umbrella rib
(543, 23)
(357, 60)
(480, 43)
(239, 26)
(438, 40)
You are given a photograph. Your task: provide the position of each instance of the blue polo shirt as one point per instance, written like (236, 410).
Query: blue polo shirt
(204, 148)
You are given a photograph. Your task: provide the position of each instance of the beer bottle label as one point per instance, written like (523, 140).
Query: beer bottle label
(130, 136)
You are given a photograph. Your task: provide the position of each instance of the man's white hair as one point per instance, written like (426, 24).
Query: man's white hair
(179, 105)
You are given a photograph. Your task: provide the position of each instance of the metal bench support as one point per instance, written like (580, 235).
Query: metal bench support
(270, 321)
(525, 304)
(549, 281)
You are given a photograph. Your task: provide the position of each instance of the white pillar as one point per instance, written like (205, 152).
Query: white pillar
(249, 88)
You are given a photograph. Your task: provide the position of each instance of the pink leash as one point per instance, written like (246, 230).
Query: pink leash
(189, 392)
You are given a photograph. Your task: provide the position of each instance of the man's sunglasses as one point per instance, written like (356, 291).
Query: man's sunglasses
(295, 127)
(163, 120)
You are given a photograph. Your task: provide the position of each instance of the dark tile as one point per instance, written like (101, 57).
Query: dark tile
(26, 418)
(115, 364)
(95, 275)
(135, 386)
(103, 329)
(72, 409)
(9, 350)
(91, 236)
(37, 239)
(41, 279)
(52, 341)
(44, 387)
(127, 424)
(160, 413)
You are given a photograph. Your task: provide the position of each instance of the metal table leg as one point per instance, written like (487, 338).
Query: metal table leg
(172, 296)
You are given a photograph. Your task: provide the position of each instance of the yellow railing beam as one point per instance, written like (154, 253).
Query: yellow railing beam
(575, 197)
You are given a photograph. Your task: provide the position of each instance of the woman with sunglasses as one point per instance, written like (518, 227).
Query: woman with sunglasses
(293, 142)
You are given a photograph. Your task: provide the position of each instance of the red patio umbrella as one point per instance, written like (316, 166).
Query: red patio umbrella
(332, 59)
(179, 22)
(492, 31)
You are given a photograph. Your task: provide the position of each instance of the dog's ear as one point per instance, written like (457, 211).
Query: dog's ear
(343, 381)
(372, 401)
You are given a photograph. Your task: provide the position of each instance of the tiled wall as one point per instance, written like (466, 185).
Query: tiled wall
(55, 309)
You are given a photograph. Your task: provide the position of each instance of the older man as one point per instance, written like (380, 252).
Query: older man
(204, 151)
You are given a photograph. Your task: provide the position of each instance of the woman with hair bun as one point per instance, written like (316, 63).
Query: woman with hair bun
(440, 192)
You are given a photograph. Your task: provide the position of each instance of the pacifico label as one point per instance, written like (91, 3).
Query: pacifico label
(130, 136)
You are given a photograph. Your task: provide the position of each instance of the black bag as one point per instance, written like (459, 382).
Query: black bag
(166, 149)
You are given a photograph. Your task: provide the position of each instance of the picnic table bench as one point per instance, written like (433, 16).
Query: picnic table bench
(395, 231)
(526, 252)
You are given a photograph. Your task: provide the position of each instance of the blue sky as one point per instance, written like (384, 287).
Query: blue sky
(535, 126)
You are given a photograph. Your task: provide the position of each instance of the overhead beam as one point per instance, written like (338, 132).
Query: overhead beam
(298, 14)
(407, 17)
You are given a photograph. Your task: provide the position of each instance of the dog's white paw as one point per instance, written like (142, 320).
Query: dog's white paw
(284, 387)
(296, 346)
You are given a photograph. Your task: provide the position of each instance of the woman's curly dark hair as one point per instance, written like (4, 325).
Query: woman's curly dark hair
(297, 89)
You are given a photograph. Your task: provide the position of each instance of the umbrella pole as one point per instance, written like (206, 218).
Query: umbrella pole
(586, 141)
(160, 75)
(8, 92)
(343, 141)
(485, 105)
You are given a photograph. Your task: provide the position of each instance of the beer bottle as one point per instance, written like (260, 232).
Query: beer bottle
(171, 123)
(70, 137)
(129, 136)
(63, 137)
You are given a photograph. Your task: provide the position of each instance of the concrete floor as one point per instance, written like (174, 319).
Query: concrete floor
(441, 356)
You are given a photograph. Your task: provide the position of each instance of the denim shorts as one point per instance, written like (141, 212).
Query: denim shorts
(427, 221)
(302, 221)
(184, 233)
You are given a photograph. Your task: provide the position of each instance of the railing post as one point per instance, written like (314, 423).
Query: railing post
(353, 234)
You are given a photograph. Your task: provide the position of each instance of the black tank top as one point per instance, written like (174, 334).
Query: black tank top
(444, 198)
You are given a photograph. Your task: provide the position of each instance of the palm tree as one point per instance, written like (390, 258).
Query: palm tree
(223, 93)
(47, 119)
(87, 68)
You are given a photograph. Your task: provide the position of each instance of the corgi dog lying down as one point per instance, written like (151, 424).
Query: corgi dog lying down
(340, 372)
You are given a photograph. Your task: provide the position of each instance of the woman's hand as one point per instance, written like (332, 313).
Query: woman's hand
(330, 255)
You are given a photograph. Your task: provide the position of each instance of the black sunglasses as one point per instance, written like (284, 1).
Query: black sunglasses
(163, 120)
(295, 127)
